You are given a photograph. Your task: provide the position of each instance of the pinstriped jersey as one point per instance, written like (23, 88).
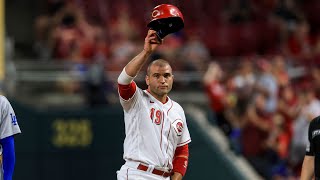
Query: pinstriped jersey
(153, 130)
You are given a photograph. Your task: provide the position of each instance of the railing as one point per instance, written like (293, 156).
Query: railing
(47, 72)
(34, 80)
(42, 82)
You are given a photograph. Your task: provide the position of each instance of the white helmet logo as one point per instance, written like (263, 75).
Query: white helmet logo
(155, 13)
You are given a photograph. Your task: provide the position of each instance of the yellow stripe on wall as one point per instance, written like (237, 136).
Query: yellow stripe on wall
(2, 45)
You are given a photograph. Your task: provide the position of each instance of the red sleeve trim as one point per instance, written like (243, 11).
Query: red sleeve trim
(180, 161)
(184, 143)
(127, 91)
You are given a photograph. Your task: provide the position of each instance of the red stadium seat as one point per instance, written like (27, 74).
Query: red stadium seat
(248, 38)
(220, 40)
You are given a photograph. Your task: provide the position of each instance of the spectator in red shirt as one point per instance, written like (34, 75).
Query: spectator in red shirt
(217, 94)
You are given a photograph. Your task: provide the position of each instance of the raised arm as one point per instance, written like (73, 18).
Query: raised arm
(126, 85)
(150, 44)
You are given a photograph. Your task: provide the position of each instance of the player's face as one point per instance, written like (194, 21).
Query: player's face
(159, 80)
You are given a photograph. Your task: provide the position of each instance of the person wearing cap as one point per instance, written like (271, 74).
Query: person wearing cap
(157, 136)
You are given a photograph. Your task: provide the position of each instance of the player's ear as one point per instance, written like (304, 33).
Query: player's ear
(147, 80)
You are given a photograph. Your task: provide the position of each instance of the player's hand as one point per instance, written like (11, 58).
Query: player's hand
(151, 42)
(176, 176)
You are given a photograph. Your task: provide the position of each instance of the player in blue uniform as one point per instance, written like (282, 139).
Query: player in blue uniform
(8, 128)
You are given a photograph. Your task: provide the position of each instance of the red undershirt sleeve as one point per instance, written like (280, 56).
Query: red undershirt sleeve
(126, 86)
(180, 159)
(127, 91)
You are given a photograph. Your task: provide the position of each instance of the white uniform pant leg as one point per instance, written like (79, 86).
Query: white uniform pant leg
(129, 173)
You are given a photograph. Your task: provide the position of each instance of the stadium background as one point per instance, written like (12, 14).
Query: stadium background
(61, 81)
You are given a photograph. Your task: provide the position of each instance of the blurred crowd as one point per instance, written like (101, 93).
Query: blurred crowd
(265, 101)
(264, 111)
(112, 32)
(259, 61)
(99, 37)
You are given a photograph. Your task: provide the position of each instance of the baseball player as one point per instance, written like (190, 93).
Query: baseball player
(8, 128)
(157, 136)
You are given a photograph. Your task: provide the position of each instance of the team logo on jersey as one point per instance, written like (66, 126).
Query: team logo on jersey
(13, 119)
(178, 126)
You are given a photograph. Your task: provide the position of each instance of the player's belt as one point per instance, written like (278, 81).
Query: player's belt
(143, 167)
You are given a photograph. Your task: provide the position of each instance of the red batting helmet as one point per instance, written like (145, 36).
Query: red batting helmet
(166, 19)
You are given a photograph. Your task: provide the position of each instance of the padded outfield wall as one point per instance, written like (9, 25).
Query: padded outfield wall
(82, 144)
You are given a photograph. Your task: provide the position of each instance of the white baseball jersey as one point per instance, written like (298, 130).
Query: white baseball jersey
(8, 122)
(153, 129)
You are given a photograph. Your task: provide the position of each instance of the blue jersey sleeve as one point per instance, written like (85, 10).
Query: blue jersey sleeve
(8, 157)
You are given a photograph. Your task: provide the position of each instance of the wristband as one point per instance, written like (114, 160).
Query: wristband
(124, 78)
